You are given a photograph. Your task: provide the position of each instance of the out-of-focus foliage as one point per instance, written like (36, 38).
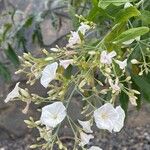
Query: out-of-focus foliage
(17, 25)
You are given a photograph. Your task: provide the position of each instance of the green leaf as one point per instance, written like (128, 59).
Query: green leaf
(125, 14)
(144, 86)
(104, 3)
(111, 35)
(4, 72)
(95, 3)
(12, 55)
(28, 22)
(124, 100)
(145, 16)
(7, 27)
(130, 34)
(68, 72)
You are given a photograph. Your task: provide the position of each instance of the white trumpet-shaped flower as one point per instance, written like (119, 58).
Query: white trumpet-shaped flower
(83, 28)
(48, 74)
(86, 125)
(85, 138)
(115, 86)
(122, 64)
(109, 118)
(106, 58)
(94, 148)
(74, 39)
(13, 94)
(66, 63)
(120, 122)
(53, 114)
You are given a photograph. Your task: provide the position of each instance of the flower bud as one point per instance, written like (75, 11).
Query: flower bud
(24, 93)
(91, 52)
(45, 51)
(140, 73)
(128, 78)
(134, 61)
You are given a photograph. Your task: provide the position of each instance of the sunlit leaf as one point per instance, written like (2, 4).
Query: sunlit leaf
(104, 3)
(130, 34)
(125, 14)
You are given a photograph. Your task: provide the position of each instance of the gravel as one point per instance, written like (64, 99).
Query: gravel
(128, 139)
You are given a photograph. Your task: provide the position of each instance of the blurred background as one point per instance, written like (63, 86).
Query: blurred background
(29, 26)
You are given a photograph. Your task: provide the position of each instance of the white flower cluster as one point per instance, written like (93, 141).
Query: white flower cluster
(75, 36)
(106, 58)
(107, 117)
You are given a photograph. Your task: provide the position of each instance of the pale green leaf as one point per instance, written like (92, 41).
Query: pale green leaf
(130, 34)
(104, 3)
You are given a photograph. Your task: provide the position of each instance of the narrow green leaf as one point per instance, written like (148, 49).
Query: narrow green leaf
(145, 16)
(130, 34)
(124, 100)
(7, 27)
(144, 86)
(125, 14)
(111, 35)
(4, 72)
(28, 22)
(104, 3)
(68, 72)
(12, 55)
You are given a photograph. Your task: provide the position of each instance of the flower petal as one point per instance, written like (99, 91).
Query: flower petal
(53, 114)
(105, 117)
(122, 64)
(66, 63)
(94, 148)
(74, 39)
(120, 122)
(112, 54)
(85, 138)
(13, 94)
(83, 28)
(48, 74)
(86, 125)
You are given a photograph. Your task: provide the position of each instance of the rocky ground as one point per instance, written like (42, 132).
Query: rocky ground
(15, 136)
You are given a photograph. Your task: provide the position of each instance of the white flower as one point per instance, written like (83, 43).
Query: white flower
(105, 117)
(83, 28)
(106, 58)
(49, 74)
(122, 64)
(53, 114)
(86, 125)
(94, 148)
(127, 4)
(13, 94)
(66, 63)
(115, 86)
(85, 138)
(74, 39)
(109, 118)
(133, 99)
(120, 122)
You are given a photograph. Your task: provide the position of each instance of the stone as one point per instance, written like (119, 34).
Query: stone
(50, 34)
